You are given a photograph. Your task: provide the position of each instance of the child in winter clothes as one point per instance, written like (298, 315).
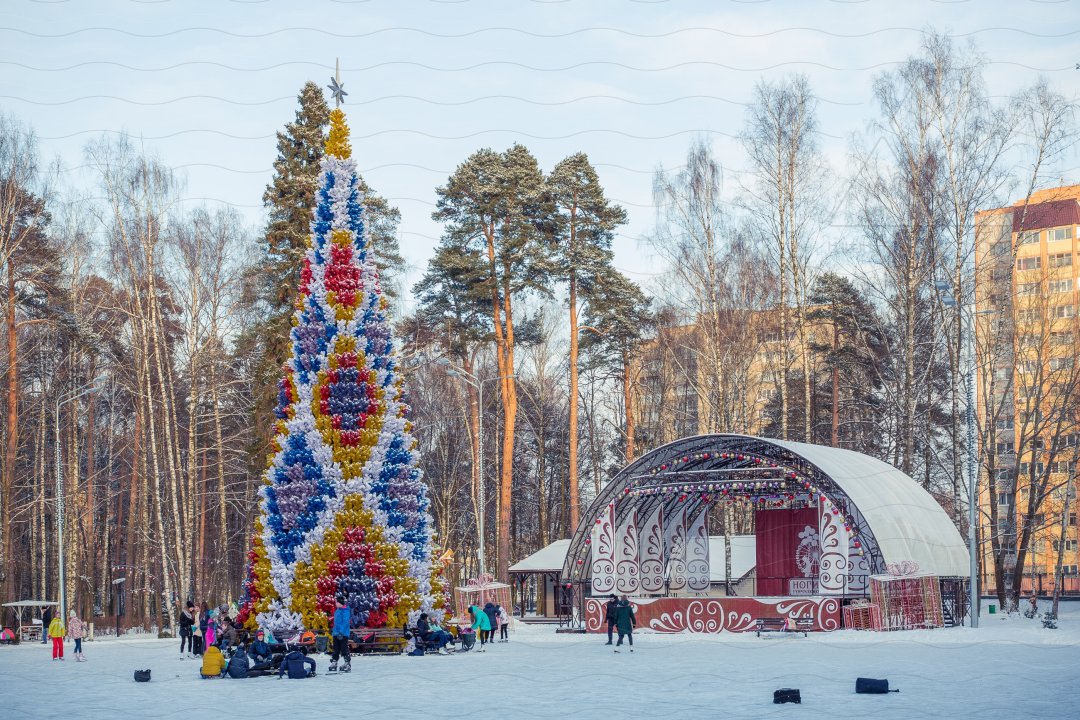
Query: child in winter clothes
(77, 631)
(342, 622)
(213, 663)
(210, 634)
(57, 632)
(504, 623)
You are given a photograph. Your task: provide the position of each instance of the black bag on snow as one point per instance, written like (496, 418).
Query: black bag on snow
(786, 695)
(142, 676)
(872, 687)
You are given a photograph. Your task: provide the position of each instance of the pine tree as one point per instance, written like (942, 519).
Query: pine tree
(495, 210)
(618, 317)
(343, 509)
(584, 222)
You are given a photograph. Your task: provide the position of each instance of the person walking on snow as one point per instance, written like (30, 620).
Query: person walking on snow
(77, 631)
(624, 622)
(342, 620)
(187, 621)
(46, 620)
(57, 632)
(610, 607)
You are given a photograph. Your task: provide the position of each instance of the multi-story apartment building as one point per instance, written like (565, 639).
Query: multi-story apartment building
(688, 383)
(1027, 334)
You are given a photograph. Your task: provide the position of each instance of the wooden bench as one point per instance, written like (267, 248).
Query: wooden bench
(377, 641)
(803, 625)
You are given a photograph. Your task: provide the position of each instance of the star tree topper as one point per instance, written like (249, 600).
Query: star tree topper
(337, 89)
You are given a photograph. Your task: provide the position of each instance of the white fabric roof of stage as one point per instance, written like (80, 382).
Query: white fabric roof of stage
(907, 521)
(743, 558)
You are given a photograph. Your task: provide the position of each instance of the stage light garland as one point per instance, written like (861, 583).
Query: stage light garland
(794, 489)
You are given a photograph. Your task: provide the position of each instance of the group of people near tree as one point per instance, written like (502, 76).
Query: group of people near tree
(486, 621)
(202, 627)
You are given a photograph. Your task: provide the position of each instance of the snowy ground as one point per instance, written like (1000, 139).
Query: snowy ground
(1009, 667)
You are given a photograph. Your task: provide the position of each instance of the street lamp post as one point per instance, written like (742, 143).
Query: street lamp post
(118, 582)
(471, 379)
(60, 402)
(972, 463)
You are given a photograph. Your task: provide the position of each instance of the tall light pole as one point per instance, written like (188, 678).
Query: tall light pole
(60, 402)
(972, 463)
(119, 590)
(466, 376)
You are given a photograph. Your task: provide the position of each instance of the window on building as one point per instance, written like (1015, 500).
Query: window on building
(1061, 260)
(1029, 263)
(1028, 288)
(1069, 545)
(1025, 238)
(1062, 338)
(1061, 363)
(1004, 423)
(1004, 499)
(1063, 311)
(1068, 570)
(1060, 286)
(1061, 466)
(1061, 233)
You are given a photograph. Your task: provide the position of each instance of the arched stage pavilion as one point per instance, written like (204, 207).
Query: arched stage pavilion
(826, 519)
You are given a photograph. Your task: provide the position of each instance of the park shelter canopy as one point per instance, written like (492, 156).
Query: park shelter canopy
(548, 559)
(897, 519)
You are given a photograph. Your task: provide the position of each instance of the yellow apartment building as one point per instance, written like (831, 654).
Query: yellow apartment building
(1027, 335)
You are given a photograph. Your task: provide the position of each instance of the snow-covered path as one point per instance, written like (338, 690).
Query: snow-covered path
(1008, 668)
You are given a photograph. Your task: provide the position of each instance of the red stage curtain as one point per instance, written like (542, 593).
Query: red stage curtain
(777, 538)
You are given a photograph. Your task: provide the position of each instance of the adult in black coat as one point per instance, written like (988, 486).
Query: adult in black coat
(624, 622)
(609, 614)
(46, 618)
(493, 619)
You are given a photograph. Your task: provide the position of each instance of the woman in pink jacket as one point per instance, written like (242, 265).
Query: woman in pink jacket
(77, 631)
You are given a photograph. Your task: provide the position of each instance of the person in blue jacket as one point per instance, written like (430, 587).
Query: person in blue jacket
(295, 663)
(239, 664)
(260, 651)
(340, 633)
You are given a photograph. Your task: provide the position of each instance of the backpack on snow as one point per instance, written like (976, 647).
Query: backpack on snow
(870, 686)
(142, 676)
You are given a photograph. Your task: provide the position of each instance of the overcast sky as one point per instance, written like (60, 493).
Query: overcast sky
(206, 84)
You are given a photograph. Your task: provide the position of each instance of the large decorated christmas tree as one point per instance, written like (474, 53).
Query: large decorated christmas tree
(343, 508)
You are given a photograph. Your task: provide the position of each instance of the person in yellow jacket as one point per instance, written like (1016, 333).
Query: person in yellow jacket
(57, 632)
(213, 663)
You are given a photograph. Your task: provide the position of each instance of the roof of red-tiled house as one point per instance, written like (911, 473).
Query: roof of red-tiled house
(1046, 215)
